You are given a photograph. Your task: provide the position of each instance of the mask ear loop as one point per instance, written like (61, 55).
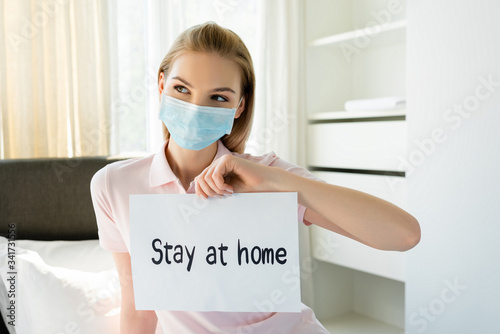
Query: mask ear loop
(163, 94)
(239, 103)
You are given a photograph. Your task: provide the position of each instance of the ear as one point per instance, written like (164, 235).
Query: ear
(161, 84)
(240, 108)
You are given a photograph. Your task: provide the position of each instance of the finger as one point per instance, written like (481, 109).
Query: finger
(218, 179)
(204, 186)
(197, 181)
(209, 179)
(199, 191)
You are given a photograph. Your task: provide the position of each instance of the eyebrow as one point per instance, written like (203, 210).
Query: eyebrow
(219, 89)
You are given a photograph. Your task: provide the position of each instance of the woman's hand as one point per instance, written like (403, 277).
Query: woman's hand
(230, 174)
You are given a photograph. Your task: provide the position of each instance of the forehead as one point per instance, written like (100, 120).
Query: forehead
(206, 70)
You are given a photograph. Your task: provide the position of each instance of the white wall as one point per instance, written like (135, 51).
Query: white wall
(454, 188)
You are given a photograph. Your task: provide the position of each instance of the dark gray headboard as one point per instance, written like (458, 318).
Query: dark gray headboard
(49, 199)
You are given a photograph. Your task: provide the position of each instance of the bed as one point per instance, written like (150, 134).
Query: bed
(59, 280)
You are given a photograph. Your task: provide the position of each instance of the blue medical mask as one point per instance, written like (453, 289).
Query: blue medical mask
(195, 127)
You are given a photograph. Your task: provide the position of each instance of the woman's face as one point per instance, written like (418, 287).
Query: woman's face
(205, 79)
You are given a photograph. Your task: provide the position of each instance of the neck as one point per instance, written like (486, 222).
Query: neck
(187, 164)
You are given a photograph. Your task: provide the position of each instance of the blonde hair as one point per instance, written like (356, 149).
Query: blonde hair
(210, 37)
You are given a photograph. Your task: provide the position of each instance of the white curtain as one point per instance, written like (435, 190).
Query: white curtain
(279, 121)
(132, 80)
(79, 77)
(54, 78)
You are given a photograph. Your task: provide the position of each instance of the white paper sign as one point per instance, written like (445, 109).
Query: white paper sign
(235, 254)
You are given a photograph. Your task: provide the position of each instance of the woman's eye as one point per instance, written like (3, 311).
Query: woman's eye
(217, 97)
(180, 89)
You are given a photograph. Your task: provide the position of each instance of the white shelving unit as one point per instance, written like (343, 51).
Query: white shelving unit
(356, 50)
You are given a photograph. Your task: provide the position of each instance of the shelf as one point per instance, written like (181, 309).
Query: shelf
(356, 323)
(393, 31)
(355, 114)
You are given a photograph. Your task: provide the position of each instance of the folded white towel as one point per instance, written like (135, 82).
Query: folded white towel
(381, 103)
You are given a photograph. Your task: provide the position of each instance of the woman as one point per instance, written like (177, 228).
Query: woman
(206, 86)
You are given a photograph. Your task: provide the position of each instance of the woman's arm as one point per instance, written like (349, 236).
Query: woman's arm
(131, 321)
(372, 220)
(363, 217)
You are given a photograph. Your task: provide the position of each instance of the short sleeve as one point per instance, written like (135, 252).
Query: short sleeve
(297, 170)
(110, 237)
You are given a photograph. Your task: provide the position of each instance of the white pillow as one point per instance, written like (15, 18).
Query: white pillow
(62, 287)
(59, 300)
(85, 255)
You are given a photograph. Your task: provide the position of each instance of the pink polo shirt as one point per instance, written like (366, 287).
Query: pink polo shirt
(110, 189)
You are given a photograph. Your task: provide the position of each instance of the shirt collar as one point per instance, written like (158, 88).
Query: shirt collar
(160, 172)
